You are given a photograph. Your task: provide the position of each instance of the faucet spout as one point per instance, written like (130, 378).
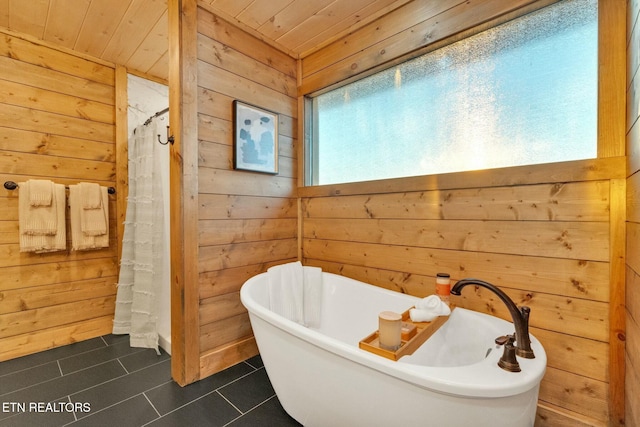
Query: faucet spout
(520, 316)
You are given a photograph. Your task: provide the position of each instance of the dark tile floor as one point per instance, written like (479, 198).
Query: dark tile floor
(104, 382)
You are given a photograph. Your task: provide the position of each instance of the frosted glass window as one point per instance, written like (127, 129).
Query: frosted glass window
(521, 93)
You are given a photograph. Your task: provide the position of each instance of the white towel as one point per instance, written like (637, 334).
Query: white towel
(44, 230)
(40, 192)
(94, 215)
(90, 195)
(286, 284)
(79, 239)
(428, 309)
(295, 292)
(312, 295)
(37, 218)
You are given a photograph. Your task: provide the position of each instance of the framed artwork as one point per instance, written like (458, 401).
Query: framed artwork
(255, 138)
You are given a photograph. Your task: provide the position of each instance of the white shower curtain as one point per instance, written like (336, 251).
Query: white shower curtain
(142, 255)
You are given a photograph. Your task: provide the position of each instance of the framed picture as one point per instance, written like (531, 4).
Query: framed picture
(255, 138)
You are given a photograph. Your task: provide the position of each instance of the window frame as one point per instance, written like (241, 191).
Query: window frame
(611, 84)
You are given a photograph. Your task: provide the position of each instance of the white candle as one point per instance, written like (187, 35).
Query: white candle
(389, 330)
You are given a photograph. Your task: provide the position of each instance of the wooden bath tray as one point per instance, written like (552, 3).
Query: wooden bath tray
(423, 331)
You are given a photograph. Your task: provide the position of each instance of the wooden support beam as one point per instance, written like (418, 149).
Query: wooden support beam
(617, 329)
(122, 153)
(183, 85)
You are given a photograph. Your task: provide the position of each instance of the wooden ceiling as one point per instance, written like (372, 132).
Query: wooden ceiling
(134, 32)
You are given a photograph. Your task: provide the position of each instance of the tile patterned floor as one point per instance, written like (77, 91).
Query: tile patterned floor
(110, 384)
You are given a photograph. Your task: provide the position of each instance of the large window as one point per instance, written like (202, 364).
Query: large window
(524, 92)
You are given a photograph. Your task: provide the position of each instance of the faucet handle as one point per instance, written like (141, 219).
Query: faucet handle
(508, 361)
(505, 339)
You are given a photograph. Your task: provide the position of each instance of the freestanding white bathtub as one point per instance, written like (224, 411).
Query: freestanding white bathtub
(322, 378)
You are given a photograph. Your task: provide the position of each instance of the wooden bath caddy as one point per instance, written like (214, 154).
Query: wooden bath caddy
(422, 331)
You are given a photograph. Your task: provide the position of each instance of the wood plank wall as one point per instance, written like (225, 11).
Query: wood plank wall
(632, 380)
(543, 233)
(247, 221)
(545, 243)
(57, 123)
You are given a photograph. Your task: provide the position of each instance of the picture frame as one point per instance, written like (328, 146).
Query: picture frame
(255, 138)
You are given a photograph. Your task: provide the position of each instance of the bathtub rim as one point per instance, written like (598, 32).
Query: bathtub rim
(491, 381)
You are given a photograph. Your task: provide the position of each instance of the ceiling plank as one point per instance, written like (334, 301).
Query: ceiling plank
(64, 23)
(99, 26)
(259, 12)
(152, 47)
(161, 67)
(289, 17)
(341, 19)
(230, 7)
(134, 27)
(29, 17)
(134, 33)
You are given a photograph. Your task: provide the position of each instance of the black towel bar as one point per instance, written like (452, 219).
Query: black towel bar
(10, 185)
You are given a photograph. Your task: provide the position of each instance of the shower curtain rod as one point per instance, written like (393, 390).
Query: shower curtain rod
(159, 113)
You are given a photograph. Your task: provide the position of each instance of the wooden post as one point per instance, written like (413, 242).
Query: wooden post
(122, 153)
(612, 71)
(185, 325)
(611, 142)
(617, 329)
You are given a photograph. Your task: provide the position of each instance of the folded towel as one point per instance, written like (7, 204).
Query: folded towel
(295, 292)
(90, 195)
(36, 220)
(286, 290)
(36, 235)
(93, 220)
(81, 240)
(40, 192)
(428, 309)
(312, 295)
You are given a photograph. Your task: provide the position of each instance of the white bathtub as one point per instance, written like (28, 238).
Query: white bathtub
(322, 378)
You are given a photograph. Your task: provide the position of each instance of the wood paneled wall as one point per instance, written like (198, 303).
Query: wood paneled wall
(632, 380)
(247, 221)
(546, 243)
(552, 236)
(57, 123)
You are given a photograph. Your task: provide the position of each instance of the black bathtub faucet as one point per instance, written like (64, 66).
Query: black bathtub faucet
(520, 315)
